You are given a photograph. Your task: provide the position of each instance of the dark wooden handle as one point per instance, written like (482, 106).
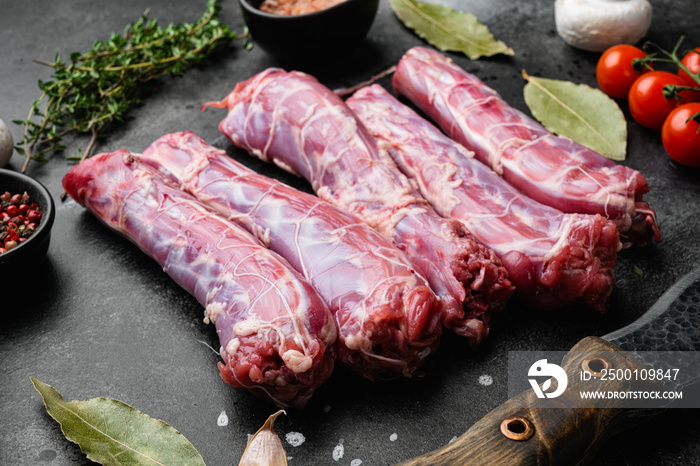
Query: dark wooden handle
(520, 433)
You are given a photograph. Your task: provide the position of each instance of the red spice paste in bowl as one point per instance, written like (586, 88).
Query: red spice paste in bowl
(296, 7)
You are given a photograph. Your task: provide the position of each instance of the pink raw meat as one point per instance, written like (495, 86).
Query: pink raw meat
(387, 316)
(289, 118)
(277, 335)
(551, 169)
(553, 258)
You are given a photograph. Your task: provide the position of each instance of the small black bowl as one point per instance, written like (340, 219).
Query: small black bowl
(31, 252)
(320, 36)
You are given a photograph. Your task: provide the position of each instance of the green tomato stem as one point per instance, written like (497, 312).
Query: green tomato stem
(672, 91)
(673, 58)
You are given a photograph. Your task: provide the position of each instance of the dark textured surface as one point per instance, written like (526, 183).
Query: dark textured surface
(672, 323)
(99, 318)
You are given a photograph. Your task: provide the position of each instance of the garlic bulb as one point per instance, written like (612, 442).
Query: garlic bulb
(599, 24)
(6, 144)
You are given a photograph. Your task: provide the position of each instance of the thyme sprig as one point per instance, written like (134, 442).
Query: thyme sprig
(99, 87)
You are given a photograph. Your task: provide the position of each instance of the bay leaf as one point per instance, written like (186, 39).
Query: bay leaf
(448, 29)
(111, 432)
(578, 112)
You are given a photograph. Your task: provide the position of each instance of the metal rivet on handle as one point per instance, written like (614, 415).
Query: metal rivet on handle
(595, 365)
(517, 428)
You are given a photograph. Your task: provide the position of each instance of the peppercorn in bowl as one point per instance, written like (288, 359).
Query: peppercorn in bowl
(27, 213)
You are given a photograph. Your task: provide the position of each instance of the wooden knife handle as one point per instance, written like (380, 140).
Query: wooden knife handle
(520, 433)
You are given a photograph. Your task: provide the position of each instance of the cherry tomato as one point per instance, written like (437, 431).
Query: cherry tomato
(614, 71)
(648, 105)
(692, 62)
(681, 136)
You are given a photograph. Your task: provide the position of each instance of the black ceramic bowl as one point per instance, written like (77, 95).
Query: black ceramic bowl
(320, 36)
(31, 252)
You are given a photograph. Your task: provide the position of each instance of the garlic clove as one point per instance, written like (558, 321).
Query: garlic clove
(265, 447)
(596, 25)
(6, 144)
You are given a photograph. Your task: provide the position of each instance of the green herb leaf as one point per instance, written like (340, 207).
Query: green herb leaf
(96, 89)
(638, 271)
(113, 433)
(448, 29)
(579, 112)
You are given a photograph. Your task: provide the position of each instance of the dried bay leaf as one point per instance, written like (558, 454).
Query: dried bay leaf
(448, 29)
(578, 112)
(111, 432)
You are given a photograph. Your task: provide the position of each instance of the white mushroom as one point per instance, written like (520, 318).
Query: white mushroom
(599, 24)
(6, 144)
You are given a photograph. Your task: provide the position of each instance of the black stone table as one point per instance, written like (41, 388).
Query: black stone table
(101, 319)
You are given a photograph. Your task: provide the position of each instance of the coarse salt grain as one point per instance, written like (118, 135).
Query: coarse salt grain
(338, 451)
(295, 438)
(485, 380)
